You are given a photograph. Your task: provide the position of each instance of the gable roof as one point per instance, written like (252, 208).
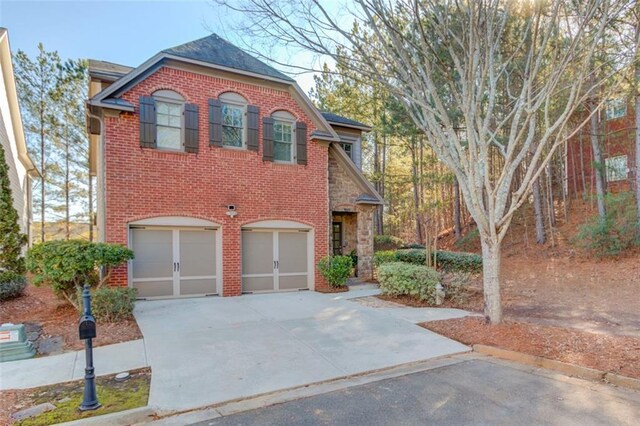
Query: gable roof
(344, 121)
(369, 194)
(107, 71)
(214, 49)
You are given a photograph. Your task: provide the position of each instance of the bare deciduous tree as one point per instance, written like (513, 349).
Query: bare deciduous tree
(512, 72)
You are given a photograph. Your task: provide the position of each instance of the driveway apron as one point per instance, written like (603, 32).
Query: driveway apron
(204, 351)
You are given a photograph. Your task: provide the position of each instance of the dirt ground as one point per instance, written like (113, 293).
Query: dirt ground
(559, 302)
(617, 354)
(58, 319)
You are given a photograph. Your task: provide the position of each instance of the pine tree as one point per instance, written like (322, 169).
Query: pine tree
(11, 239)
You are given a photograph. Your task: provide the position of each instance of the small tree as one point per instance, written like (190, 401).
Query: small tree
(67, 265)
(335, 269)
(11, 239)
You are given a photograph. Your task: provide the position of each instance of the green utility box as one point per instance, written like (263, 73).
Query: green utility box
(14, 344)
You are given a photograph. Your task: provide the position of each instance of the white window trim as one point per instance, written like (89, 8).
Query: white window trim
(292, 122)
(611, 106)
(235, 100)
(170, 97)
(610, 174)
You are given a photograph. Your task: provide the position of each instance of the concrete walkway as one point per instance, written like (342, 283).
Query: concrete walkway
(210, 350)
(111, 359)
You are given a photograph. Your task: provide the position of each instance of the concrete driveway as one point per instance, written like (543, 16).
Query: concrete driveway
(209, 350)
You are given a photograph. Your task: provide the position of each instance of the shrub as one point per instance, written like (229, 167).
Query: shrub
(456, 286)
(335, 269)
(11, 285)
(11, 239)
(66, 265)
(446, 260)
(112, 304)
(385, 256)
(614, 233)
(399, 279)
(386, 242)
(413, 246)
(469, 240)
(458, 261)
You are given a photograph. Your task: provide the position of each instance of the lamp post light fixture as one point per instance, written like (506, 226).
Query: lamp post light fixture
(87, 331)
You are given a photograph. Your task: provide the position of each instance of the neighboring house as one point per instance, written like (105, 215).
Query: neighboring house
(617, 143)
(21, 168)
(222, 176)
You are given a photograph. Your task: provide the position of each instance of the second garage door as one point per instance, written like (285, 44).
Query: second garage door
(274, 260)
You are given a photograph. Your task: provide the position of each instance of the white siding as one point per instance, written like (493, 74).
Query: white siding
(20, 182)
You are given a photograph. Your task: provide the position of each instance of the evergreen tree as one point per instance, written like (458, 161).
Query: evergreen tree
(11, 239)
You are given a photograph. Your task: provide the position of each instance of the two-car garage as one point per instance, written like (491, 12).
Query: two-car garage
(178, 257)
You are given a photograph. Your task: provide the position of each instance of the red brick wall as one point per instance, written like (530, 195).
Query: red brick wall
(142, 183)
(617, 137)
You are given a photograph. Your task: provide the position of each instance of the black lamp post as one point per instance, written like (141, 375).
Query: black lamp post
(87, 331)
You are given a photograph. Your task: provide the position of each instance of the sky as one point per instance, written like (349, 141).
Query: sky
(124, 32)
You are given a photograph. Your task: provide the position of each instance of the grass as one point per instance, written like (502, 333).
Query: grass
(114, 396)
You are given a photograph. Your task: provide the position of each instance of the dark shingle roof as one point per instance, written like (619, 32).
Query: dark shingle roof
(216, 50)
(338, 119)
(107, 70)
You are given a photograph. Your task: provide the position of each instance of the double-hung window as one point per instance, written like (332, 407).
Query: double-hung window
(615, 108)
(169, 107)
(348, 149)
(283, 139)
(234, 109)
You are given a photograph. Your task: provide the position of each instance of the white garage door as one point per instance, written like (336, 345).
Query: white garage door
(274, 260)
(173, 262)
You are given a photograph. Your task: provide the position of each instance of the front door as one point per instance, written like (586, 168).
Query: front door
(274, 260)
(337, 238)
(173, 262)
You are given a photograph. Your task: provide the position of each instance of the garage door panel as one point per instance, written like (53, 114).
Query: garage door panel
(257, 284)
(154, 288)
(197, 253)
(292, 248)
(153, 253)
(257, 253)
(292, 282)
(197, 286)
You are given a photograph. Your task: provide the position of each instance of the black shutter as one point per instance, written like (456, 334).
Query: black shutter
(253, 112)
(215, 122)
(267, 139)
(147, 122)
(191, 128)
(301, 142)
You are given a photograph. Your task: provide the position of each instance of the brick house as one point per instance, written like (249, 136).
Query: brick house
(222, 176)
(617, 142)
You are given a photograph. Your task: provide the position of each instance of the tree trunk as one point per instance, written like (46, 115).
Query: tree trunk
(67, 231)
(43, 174)
(537, 208)
(491, 279)
(637, 107)
(598, 166)
(457, 225)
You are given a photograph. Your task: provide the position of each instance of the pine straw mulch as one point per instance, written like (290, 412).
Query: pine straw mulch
(611, 353)
(39, 305)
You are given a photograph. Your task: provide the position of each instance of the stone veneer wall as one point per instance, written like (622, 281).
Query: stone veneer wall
(343, 192)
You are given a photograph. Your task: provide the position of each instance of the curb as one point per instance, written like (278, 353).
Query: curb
(120, 418)
(559, 366)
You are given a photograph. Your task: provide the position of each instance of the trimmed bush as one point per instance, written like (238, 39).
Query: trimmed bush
(113, 304)
(412, 246)
(12, 285)
(336, 269)
(469, 240)
(400, 279)
(446, 260)
(66, 265)
(385, 256)
(614, 233)
(386, 242)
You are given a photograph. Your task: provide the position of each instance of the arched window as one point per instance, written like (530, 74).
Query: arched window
(283, 140)
(169, 123)
(234, 108)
